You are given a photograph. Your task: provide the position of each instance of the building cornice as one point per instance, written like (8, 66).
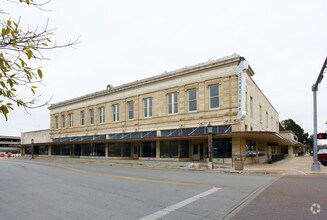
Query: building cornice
(163, 76)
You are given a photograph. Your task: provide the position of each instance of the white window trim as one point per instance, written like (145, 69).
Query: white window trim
(82, 115)
(128, 103)
(92, 116)
(215, 108)
(102, 114)
(71, 120)
(147, 100)
(174, 112)
(188, 100)
(63, 122)
(56, 122)
(115, 113)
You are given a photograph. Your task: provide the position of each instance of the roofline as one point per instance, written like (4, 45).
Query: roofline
(163, 76)
(12, 137)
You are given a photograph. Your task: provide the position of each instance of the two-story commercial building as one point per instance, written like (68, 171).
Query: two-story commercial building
(165, 117)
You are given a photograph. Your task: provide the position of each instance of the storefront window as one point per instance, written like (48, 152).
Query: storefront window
(149, 149)
(115, 150)
(126, 149)
(98, 150)
(168, 149)
(251, 148)
(66, 150)
(174, 149)
(222, 148)
(43, 150)
(55, 150)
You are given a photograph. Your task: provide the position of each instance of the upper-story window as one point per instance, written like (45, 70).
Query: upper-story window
(56, 122)
(115, 112)
(82, 117)
(71, 120)
(102, 115)
(251, 106)
(130, 110)
(63, 119)
(147, 107)
(260, 113)
(91, 111)
(173, 103)
(214, 96)
(192, 103)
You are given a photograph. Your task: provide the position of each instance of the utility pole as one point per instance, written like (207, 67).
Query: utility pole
(315, 165)
(32, 149)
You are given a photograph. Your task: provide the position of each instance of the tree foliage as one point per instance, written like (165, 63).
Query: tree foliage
(290, 124)
(19, 50)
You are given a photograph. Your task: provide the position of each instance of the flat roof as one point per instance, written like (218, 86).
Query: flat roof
(166, 75)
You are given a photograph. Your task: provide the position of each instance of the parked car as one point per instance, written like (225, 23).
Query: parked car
(322, 156)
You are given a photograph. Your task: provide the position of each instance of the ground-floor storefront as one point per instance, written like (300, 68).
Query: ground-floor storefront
(249, 147)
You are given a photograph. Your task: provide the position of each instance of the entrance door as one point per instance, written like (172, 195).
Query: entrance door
(136, 151)
(196, 155)
(198, 151)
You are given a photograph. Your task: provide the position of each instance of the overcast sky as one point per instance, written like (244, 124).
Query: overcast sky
(123, 41)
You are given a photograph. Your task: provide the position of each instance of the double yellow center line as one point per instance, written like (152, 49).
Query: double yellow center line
(76, 170)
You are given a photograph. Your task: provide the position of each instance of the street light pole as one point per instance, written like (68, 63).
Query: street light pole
(209, 131)
(315, 165)
(32, 148)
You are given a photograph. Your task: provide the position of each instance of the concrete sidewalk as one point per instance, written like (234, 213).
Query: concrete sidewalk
(289, 166)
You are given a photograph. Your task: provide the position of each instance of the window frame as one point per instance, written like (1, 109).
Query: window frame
(147, 107)
(172, 102)
(212, 97)
(91, 112)
(82, 115)
(63, 121)
(56, 121)
(130, 110)
(115, 113)
(71, 120)
(189, 100)
(102, 113)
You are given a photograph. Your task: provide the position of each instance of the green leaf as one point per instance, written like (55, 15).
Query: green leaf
(39, 72)
(29, 54)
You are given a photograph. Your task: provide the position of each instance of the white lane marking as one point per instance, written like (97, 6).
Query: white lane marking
(179, 205)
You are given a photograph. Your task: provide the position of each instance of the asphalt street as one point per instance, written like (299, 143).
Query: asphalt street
(33, 190)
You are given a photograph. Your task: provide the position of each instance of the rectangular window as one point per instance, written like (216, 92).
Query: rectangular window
(71, 120)
(251, 106)
(115, 112)
(101, 115)
(147, 106)
(130, 110)
(214, 96)
(82, 118)
(267, 119)
(260, 113)
(91, 111)
(56, 121)
(192, 105)
(63, 119)
(173, 103)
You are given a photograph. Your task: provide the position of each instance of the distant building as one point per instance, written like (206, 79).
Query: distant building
(10, 144)
(165, 117)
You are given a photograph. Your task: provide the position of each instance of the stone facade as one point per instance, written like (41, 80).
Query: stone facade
(183, 103)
